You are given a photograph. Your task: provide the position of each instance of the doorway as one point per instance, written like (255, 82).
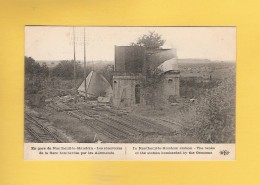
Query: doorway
(137, 94)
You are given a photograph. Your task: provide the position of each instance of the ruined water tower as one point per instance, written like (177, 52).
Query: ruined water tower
(128, 76)
(165, 61)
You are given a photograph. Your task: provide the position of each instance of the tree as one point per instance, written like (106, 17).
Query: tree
(45, 70)
(152, 90)
(33, 68)
(35, 75)
(151, 40)
(65, 70)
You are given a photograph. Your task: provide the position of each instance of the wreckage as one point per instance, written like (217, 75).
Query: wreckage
(96, 86)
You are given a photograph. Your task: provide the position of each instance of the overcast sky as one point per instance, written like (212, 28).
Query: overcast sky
(55, 43)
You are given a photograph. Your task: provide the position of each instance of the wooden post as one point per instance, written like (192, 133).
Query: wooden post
(75, 85)
(85, 75)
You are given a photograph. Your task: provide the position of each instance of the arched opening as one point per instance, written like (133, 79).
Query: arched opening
(137, 94)
(172, 99)
(170, 81)
(114, 84)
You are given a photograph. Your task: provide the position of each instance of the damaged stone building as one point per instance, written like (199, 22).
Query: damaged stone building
(134, 65)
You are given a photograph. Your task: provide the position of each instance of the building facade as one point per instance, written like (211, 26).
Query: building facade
(132, 64)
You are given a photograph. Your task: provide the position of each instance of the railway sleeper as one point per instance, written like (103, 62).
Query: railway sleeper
(139, 125)
(114, 129)
(44, 128)
(110, 129)
(102, 131)
(132, 129)
(155, 126)
(121, 128)
(137, 129)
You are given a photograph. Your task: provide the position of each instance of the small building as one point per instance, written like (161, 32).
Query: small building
(133, 66)
(128, 76)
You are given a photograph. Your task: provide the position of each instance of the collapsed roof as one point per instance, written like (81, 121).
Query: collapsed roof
(96, 85)
(136, 59)
(168, 65)
(161, 57)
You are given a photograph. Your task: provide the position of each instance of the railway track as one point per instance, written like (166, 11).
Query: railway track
(115, 124)
(110, 111)
(126, 124)
(104, 124)
(107, 130)
(39, 131)
(149, 124)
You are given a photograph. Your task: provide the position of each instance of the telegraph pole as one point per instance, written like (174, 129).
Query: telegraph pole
(75, 85)
(85, 75)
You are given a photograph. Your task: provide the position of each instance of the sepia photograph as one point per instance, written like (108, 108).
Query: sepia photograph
(130, 92)
(130, 84)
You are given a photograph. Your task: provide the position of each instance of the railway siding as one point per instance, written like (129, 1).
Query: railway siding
(39, 131)
(111, 124)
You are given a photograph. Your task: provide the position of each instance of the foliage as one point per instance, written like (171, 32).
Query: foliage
(33, 68)
(151, 40)
(212, 117)
(65, 70)
(152, 89)
(60, 79)
(152, 86)
(194, 87)
(35, 75)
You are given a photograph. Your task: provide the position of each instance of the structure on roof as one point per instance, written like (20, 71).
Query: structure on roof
(96, 86)
(168, 65)
(132, 66)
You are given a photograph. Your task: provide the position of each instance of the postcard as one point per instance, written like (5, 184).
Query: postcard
(129, 93)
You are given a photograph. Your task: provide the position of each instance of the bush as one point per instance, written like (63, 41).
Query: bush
(212, 118)
(194, 86)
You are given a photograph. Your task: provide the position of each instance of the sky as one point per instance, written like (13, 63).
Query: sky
(56, 42)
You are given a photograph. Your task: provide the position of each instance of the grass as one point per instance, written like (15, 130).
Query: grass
(73, 127)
